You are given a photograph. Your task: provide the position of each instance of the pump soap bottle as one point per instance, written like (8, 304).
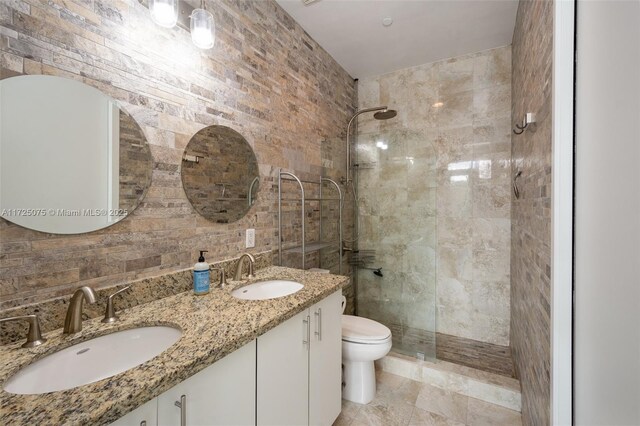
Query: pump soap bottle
(201, 280)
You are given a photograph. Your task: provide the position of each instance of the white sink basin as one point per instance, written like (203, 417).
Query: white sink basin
(92, 360)
(267, 290)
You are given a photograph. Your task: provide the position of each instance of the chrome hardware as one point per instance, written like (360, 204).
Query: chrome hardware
(34, 336)
(516, 191)
(182, 405)
(110, 313)
(240, 264)
(223, 277)
(250, 198)
(318, 331)
(143, 423)
(529, 118)
(73, 320)
(307, 327)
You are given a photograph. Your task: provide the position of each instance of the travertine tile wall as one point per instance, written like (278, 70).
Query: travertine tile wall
(439, 196)
(531, 214)
(135, 163)
(265, 78)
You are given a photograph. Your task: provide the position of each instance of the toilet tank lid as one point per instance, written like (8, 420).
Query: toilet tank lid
(363, 329)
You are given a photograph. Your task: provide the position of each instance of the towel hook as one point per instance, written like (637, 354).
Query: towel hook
(529, 118)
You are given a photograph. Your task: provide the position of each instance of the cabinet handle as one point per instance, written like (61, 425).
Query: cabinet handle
(307, 327)
(143, 423)
(182, 405)
(318, 331)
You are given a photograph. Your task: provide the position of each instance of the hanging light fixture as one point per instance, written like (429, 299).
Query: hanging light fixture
(203, 28)
(164, 12)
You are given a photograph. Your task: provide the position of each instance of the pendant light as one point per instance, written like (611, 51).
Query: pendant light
(203, 28)
(164, 12)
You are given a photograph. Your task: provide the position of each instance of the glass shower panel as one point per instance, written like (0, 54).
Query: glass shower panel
(396, 186)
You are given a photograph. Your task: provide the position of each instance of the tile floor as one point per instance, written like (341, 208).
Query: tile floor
(401, 401)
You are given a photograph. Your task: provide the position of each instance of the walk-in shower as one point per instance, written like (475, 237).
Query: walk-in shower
(360, 259)
(388, 175)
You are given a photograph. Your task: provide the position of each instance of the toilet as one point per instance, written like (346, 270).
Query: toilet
(363, 341)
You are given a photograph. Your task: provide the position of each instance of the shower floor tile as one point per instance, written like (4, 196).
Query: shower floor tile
(401, 401)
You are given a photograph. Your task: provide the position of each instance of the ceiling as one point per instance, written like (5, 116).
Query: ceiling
(422, 31)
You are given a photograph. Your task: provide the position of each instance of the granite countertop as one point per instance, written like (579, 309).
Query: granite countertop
(213, 326)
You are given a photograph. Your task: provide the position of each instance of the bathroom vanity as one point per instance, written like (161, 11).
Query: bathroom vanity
(244, 362)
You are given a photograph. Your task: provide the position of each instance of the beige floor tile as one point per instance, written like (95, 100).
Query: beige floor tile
(425, 418)
(405, 390)
(384, 411)
(482, 413)
(445, 403)
(343, 420)
(388, 380)
(400, 401)
(350, 409)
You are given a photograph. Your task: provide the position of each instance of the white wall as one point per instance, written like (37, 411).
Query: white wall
(607, 307)
(562, 207)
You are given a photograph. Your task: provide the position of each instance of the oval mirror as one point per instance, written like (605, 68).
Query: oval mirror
(71, 160)
(220, 174)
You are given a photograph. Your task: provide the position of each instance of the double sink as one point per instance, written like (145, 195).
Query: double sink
(105, 356)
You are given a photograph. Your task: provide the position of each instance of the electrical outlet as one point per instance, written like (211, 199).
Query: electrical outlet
(250, 238)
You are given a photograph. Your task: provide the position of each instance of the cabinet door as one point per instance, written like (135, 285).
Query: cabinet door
(325, 362)
(145, 415)
(283, 373)
(222, 394)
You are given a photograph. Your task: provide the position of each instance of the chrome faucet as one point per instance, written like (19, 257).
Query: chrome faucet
(73, 320)
(240, 264)
(34, 337)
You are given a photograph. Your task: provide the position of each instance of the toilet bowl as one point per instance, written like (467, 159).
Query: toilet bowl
(363, 342)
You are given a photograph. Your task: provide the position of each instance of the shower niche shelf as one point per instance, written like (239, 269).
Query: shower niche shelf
(303, 247)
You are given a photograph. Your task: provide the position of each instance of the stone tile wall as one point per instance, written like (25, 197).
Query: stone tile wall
(135, 163)
(531, 214)
(265, 78)
(219, 181)
(435, 203)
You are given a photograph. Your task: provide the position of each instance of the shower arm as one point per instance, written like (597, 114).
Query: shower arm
(348, 163)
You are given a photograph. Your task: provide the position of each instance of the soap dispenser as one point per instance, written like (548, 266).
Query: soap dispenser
(201, 281)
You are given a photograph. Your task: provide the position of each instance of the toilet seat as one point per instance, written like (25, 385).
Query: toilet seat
(364, 331)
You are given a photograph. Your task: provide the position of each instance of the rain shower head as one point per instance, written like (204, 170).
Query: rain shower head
(385, 114)
(380, 113)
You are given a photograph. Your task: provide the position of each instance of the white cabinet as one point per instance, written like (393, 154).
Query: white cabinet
(294, 371)
(145, 415)
(283, 378)
(222, 394)
(299, 368)
(325, 361)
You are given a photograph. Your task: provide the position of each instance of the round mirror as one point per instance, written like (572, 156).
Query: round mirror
(220, 174)
(71, 161)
